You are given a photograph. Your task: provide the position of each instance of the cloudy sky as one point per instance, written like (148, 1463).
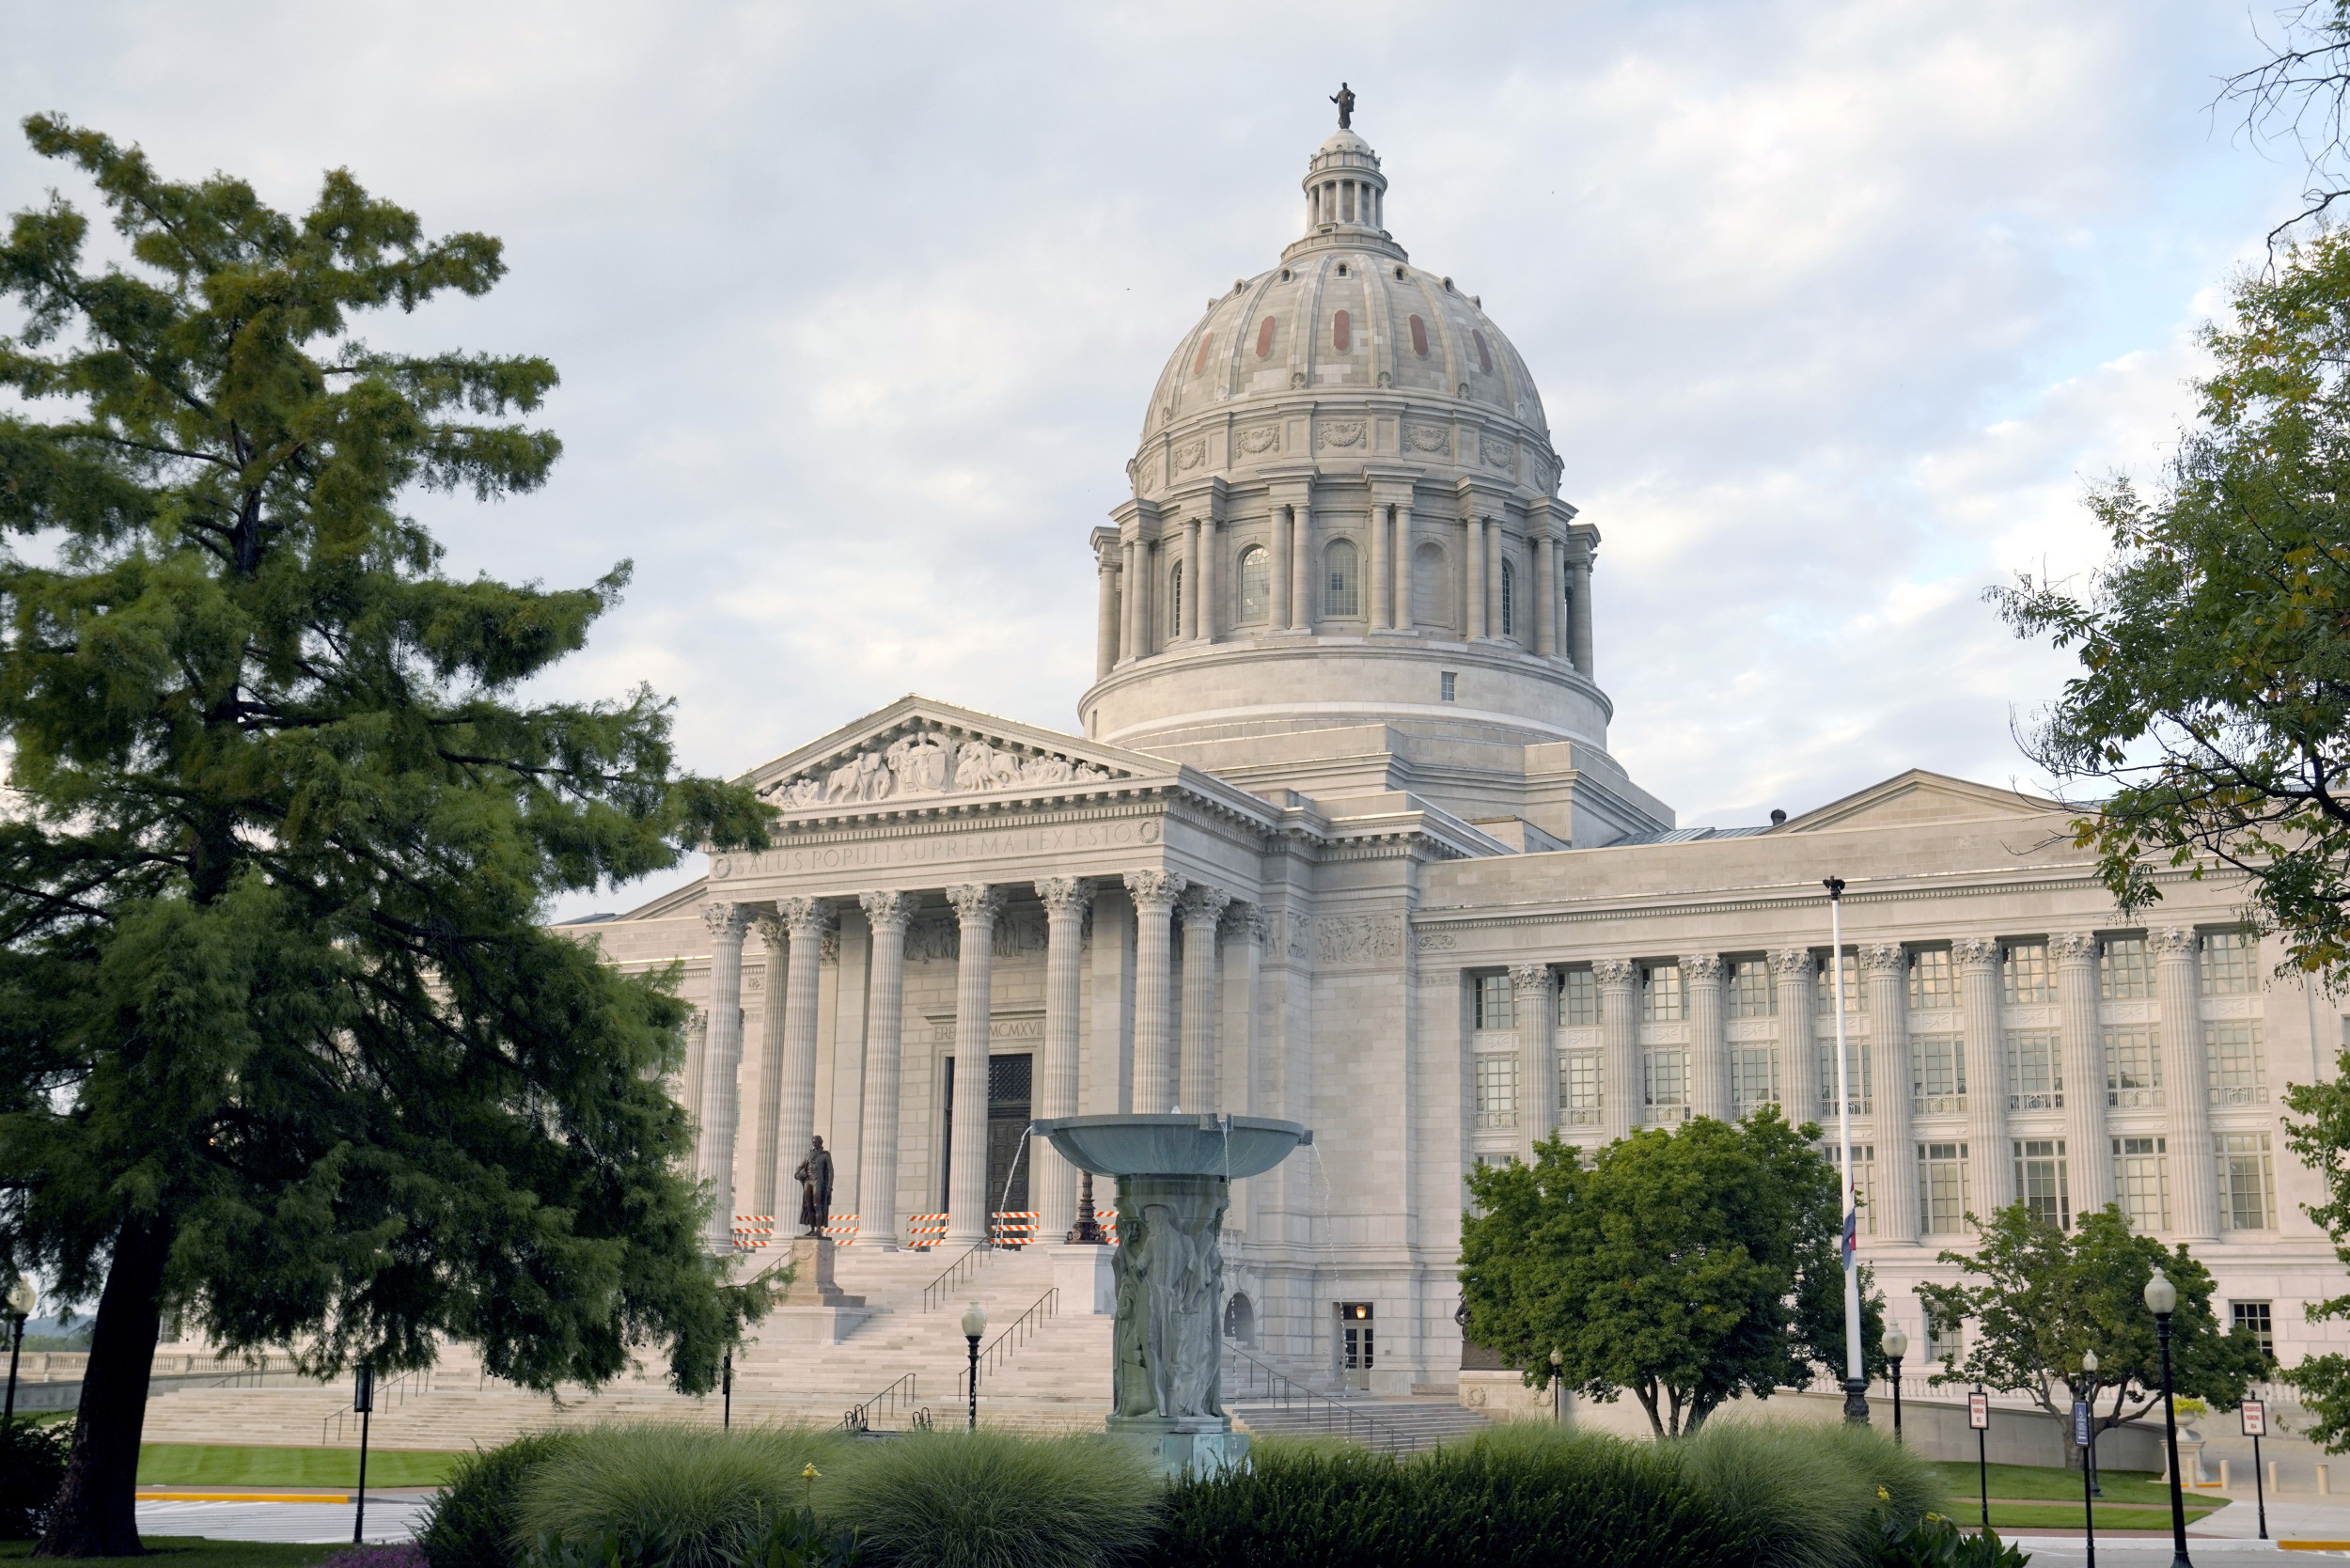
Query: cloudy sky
(1836, 308)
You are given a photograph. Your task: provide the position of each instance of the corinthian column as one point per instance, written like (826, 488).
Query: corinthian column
(2186, 1085)
(1709, 1046)
(1492, 549)
(1537, 1054)
(724, 1059)
(1106, 615)
(2087, 1152)
(1989, 1161)
(805, 918)
(1403, 566)
(1132, 593)
(1621, 1089)
(884, 1033)
(1579, 606)
(1278, 612)
(1055, 1183)
(1887, 987)
(766, 1074)
(1194, 584)
(976, 907)
(696, 1055)
(1382, 554)
(1204, 909)
(1302, 595)
(1800, 1064)
(1473, 558)
(1154, 894)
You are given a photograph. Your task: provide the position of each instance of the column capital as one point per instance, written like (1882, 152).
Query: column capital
(1065, 896)
(1975, 952)
(887, 909)
(772, 931)
(1154, 891)
(1793, 962)
(2174, 942)
(1701, 966)
(1246, 919)
(1884, 957)
(976, 904)
(1203, 903)
(1618, 973)
(727, 921)
(2073, 947)
(1529, 976)
(805, 917)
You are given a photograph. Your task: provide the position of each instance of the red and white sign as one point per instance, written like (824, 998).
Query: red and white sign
(2255, 1416)
(1979, 1411)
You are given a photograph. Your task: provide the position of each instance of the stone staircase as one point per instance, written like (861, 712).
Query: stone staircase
(1396, 1425)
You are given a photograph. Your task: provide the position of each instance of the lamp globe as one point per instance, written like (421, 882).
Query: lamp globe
(22, 1298)
(1896, 1342)
(973, 1321)
(2162, 1297)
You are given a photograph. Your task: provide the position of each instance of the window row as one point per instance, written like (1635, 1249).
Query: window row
(2243, 1169)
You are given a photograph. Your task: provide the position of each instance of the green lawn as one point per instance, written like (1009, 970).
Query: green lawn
(213, 1467)
(2029, 1496)
(188, 1551)
(2024, 1515)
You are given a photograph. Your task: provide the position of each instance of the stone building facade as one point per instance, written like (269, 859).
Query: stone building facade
(1341, 841)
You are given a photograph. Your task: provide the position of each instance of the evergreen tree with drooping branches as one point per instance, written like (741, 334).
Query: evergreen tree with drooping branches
(284, 1050)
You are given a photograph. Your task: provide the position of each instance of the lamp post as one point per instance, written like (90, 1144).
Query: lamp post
(1557, 1360)
(2082, 1437)
(363, 1401)
(22, 1298)
(2162, 1299)
(1856, 1382)
(1896, 1345)
(726, 1391)
(974, 1325)
(1088, 1231)
(2088, 1454)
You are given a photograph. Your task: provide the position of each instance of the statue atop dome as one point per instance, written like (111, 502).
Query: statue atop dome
(1344, 98)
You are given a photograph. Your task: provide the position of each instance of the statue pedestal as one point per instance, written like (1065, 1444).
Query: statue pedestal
(1085, 1278)
(812, 1259)
(1197, 1444)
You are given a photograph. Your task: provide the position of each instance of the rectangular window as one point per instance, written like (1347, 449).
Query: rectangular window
(2035, 1078)
(1945, 1337)
(2141, 1183)
(1939, 1082)
(2040, 1181)
(2247, 1182)
(1580, 1103)
(1497, 1003)
(2228, 960)
(1824, 987)
(1496, 1093)
(2133, 1067)
(1663, 999)
(1752, 994)
(1666, 1072)
(1753, 1077)
(1857, 1055)
(1340, 599)
(1864, 1170)
(2027, 976)
(2123, 973)
(1942, 1188)
(2255, 1317)
(1931, 983)
(1578, 1000)
(1447, 683)
(2234, 1062)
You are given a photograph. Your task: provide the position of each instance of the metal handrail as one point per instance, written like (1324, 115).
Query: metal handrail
(859, 1418)
(1025, 1325)
(940, 1288)
(388, 1396)
(1283, 1391)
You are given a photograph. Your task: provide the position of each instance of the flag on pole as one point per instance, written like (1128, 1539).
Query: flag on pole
(1852, 1233)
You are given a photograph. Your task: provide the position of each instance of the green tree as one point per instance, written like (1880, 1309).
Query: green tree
(2212, 710)
(1688, 1267)
(2041, 1296)
(282, 1046)
(2323, 1142)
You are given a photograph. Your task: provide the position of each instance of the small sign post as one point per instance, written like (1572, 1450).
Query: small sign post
(2089, 1504)
(363, 1401)
(2255, 1415)
(1979, 1417)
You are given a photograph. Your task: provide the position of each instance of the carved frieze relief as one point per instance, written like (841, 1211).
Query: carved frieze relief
(1340, 432)
(1190, 455)
(1259, 439)
(930, 762)
(1428, 438)
(1345, 939)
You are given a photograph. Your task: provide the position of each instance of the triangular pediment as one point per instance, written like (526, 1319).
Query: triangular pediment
(1919, 798)
(920, 749)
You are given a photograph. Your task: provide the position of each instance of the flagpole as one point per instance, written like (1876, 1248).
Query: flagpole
(1855, 1385)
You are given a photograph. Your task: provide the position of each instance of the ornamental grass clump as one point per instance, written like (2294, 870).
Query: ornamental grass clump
(675, 1495)
(474, 1519)
(1807, 1495)
(995, 1499)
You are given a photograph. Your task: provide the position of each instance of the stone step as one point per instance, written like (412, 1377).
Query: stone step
(1406, 1426)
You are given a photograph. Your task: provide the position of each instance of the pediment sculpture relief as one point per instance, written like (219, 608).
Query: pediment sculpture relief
(929, 762)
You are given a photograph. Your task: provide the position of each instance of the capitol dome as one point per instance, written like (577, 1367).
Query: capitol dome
(1346, 513)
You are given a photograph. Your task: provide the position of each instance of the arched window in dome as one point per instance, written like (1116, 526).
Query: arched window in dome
(1341, 596)
(1341, 331)
(1265, 338)
(1484, 355)
(1256, 585)
(1207, 340)
(1174, 601)
(1509, 598)
(1434, 603)
(1419, 338)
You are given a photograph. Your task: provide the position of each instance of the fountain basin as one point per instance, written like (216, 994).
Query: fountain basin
(1173, 1145)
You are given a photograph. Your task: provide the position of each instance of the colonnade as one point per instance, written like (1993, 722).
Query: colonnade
(1170, 1072)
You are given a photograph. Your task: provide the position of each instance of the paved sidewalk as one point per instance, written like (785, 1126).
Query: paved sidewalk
(388, 1519)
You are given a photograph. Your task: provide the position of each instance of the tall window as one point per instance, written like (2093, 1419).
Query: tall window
(1666, 1070)
(1579, 1102)
(1824, 988)
(1340, 597)
(2123, 973)
(1864, 1171)
(1578, 999)
(2040, 1181)
(2233, 1061)
(1856, 1055)
(1497, 1003)
(1663, 999)
(1752, 993)
(1174, 601)
(1942, 1189)
(1496, 1092)
(2228, 959)
(2255, 1319)
(1931, 983)
(2141, 1181)
(1256, 584)
(2247, 1182)
(1940, 1082)
(1509, 599)
(2133, 1066)
(2035, 1076)
(2027, 976)
(1753, 1077)
(1945, 1337)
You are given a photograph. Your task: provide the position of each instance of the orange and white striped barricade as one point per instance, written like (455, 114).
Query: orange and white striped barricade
(1011, 1227)
(843, 1231)
(925, 1231)
(753, 1232)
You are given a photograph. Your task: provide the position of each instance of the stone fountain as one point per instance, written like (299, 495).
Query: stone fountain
(1175, 1176)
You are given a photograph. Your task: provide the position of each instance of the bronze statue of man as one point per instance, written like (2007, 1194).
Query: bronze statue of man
(1344, 98)
(815, 1178)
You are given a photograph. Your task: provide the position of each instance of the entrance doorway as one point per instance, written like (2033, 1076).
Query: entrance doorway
(1009, 1079)
(1240, 1321)
(1354, 1343)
